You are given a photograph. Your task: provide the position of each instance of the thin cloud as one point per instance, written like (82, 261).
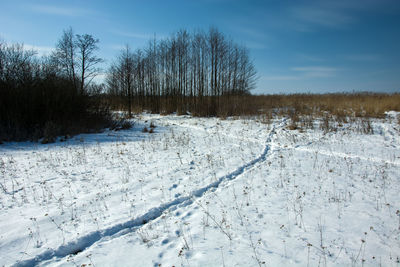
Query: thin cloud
(311, 58)
(363, 5)
(256, 45)
(251, 32)
(303, 73)
(281, 78)
(2, 37)
(251, 37)
(59, 11)
(316, 71)
(322, 16)
(363, 57)
(117, 47)
(100, 77)
(41, 50)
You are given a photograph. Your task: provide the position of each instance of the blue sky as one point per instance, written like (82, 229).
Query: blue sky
(297, 45)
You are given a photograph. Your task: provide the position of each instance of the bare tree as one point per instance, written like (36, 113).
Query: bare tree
(76, 59)
(120, 78)
(127, 72)
(86, 45)
(65, 56)
(187, 70)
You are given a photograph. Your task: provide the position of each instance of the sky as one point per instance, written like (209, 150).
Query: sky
(298, 46)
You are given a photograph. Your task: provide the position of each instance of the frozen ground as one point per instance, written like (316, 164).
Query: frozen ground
(202, 192)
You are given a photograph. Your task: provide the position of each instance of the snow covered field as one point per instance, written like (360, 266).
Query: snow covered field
(204, 192)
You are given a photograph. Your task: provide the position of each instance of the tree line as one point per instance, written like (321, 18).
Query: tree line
(204, 73)
(184, 72)
(44, 97)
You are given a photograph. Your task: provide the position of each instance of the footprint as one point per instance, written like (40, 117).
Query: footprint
(188, 214)
(173, 187)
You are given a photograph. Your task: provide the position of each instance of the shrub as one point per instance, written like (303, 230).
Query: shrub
(121, 124)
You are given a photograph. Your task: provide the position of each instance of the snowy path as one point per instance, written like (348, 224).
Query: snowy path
(347, 156)
(87, 240)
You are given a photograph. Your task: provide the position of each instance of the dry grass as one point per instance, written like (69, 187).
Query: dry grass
(332, 110)
(372, 105)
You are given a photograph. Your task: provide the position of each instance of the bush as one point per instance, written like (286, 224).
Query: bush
(121, 124)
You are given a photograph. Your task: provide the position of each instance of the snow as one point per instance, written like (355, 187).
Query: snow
(204, 191)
